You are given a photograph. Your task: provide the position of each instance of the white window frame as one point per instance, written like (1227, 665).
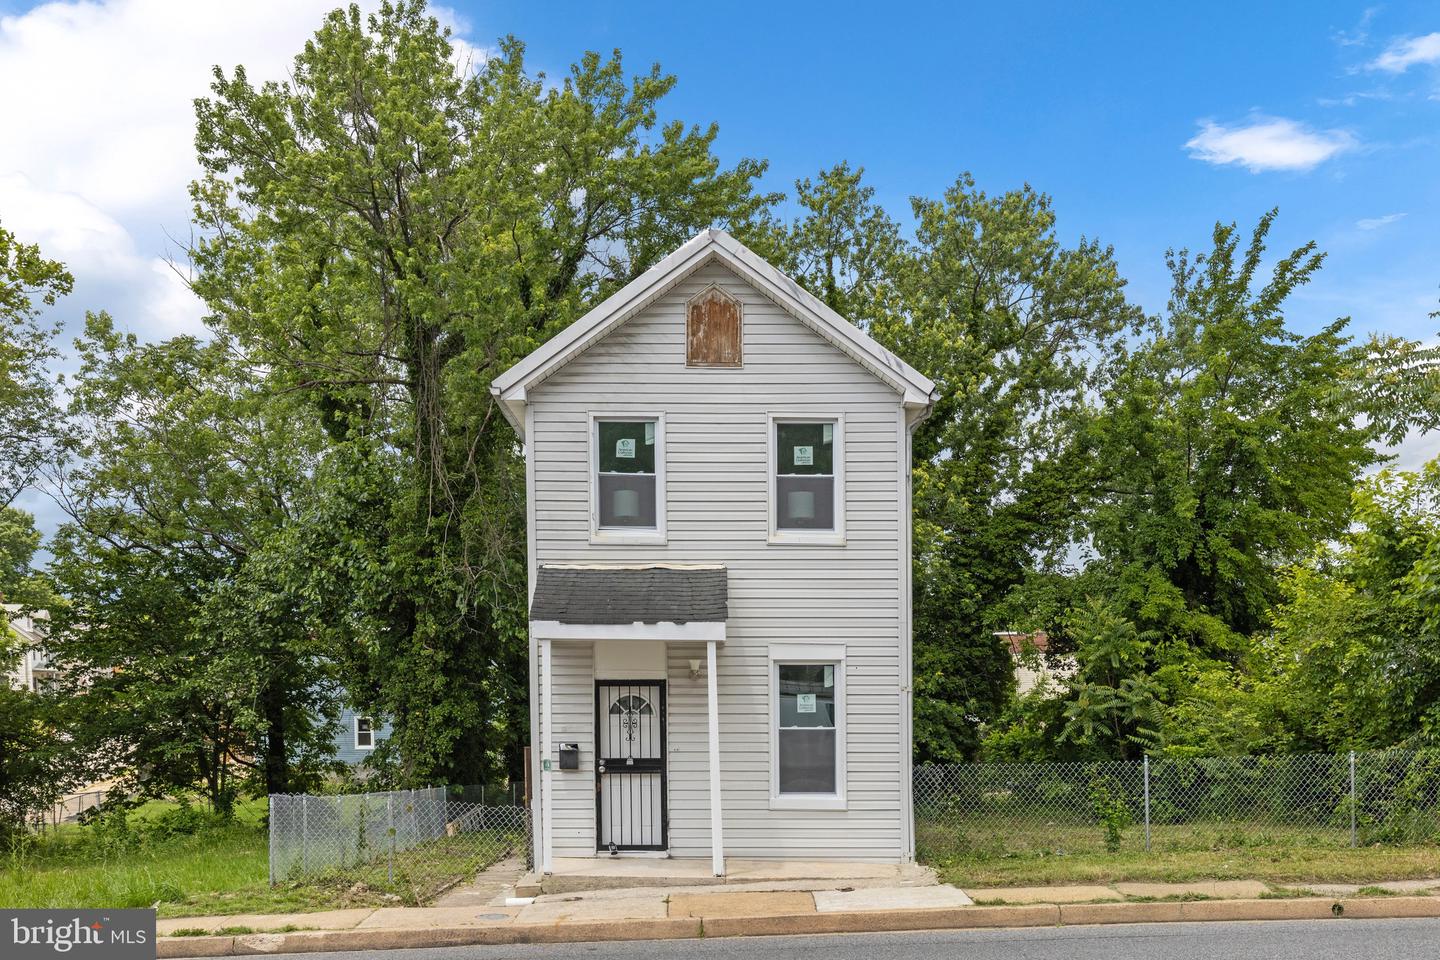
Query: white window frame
(371, 731)
(834, 537)
(599, 534)
(808, 654)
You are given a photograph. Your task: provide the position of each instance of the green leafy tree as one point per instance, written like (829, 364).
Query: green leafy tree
(195, 667)
(1352, 655)
(843, 246)
(1230, 444)
(27, 411)
(385, 233)
(1018, 331)
(1113, 707)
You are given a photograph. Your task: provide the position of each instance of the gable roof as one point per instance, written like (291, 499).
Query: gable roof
(707, 247)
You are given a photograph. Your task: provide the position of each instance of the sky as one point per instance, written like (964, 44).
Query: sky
(1146, 123)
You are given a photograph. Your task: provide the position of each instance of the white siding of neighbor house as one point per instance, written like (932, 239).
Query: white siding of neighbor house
(716, 456)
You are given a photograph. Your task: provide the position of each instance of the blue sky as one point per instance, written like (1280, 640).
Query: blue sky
(1145, 122)
(1093, 105)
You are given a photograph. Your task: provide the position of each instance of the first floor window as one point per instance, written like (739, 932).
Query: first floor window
(625, 474)
(809, 713)
(364, 734)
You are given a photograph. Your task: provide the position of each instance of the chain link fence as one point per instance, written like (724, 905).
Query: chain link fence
(413, 843)
(987, 810)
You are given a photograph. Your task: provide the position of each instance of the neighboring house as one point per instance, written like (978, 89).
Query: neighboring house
(717, 468)
(1035, 668)
(358, 736)
(33, 670)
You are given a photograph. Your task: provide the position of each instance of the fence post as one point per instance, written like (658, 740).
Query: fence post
(390, 830)
(304, 834)
(1352, 799)
(1147, 802)
(270, 825)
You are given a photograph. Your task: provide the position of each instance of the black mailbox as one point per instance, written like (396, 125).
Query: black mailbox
(569, 756)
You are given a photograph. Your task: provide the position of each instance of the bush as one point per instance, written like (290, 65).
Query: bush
(1113, 812)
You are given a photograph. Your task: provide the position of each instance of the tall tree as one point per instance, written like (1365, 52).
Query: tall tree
(1019, 331)
(385, 233)
(196, 664)
(1230, 444)
(27, 411)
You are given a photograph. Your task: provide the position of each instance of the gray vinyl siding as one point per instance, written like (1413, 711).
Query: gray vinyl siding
(717, 502)
(574, 717)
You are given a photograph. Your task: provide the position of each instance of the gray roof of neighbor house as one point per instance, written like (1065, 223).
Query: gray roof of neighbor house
(660, 593)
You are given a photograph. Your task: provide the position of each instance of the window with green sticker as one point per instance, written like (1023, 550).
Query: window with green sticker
(805, 475)
(626, 495)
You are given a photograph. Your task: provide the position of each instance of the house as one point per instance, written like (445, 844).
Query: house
(717, 471)
(32, 669)
(1035, 667)
(357, 735)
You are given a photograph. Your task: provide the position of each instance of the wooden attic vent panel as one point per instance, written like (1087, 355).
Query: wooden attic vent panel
(712, 330)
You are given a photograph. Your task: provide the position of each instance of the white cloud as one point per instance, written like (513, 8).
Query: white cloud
(98, 107)
(1408, 52)
(1375, 223)
(96, 248)
(1267, 143)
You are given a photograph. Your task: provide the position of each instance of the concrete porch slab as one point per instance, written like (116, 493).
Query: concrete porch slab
(890, 898)
(574, 874)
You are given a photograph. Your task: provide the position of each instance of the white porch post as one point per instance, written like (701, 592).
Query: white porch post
(712, 721)
(547, 737)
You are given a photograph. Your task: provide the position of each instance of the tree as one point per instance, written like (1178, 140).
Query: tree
(385, 233)
(1230, 444)
(27, 411)
(194, 666)
(1352, 657)
(1018, 331)
(843, 246)
(1112, 707)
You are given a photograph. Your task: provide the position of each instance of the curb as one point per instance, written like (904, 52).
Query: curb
(679, 928)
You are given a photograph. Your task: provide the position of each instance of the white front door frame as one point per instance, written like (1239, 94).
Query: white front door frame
(545, 633)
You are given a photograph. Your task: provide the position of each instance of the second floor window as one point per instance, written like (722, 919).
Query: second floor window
(625, 483)
(805, 475)
(364, 734)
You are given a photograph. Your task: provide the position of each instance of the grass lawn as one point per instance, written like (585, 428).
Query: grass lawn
(1024, 853)
(219, 869)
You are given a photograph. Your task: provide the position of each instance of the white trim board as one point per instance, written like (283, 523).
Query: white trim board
(699, 632)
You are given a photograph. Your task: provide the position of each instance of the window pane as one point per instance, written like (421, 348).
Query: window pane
(627, 500)
(626, 447)
(807, 449)
(807, 695)
(807, 761)
(804, 503)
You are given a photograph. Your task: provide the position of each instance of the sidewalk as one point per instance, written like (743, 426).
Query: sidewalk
(785, 907)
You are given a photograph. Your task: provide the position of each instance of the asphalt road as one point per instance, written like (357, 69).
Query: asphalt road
(1267, 940)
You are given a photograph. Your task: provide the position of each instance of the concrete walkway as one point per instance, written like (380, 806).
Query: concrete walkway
(774, 907)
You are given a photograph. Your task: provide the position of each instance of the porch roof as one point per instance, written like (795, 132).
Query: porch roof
(616, 595)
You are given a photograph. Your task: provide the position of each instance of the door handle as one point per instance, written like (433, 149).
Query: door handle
(601, 768)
